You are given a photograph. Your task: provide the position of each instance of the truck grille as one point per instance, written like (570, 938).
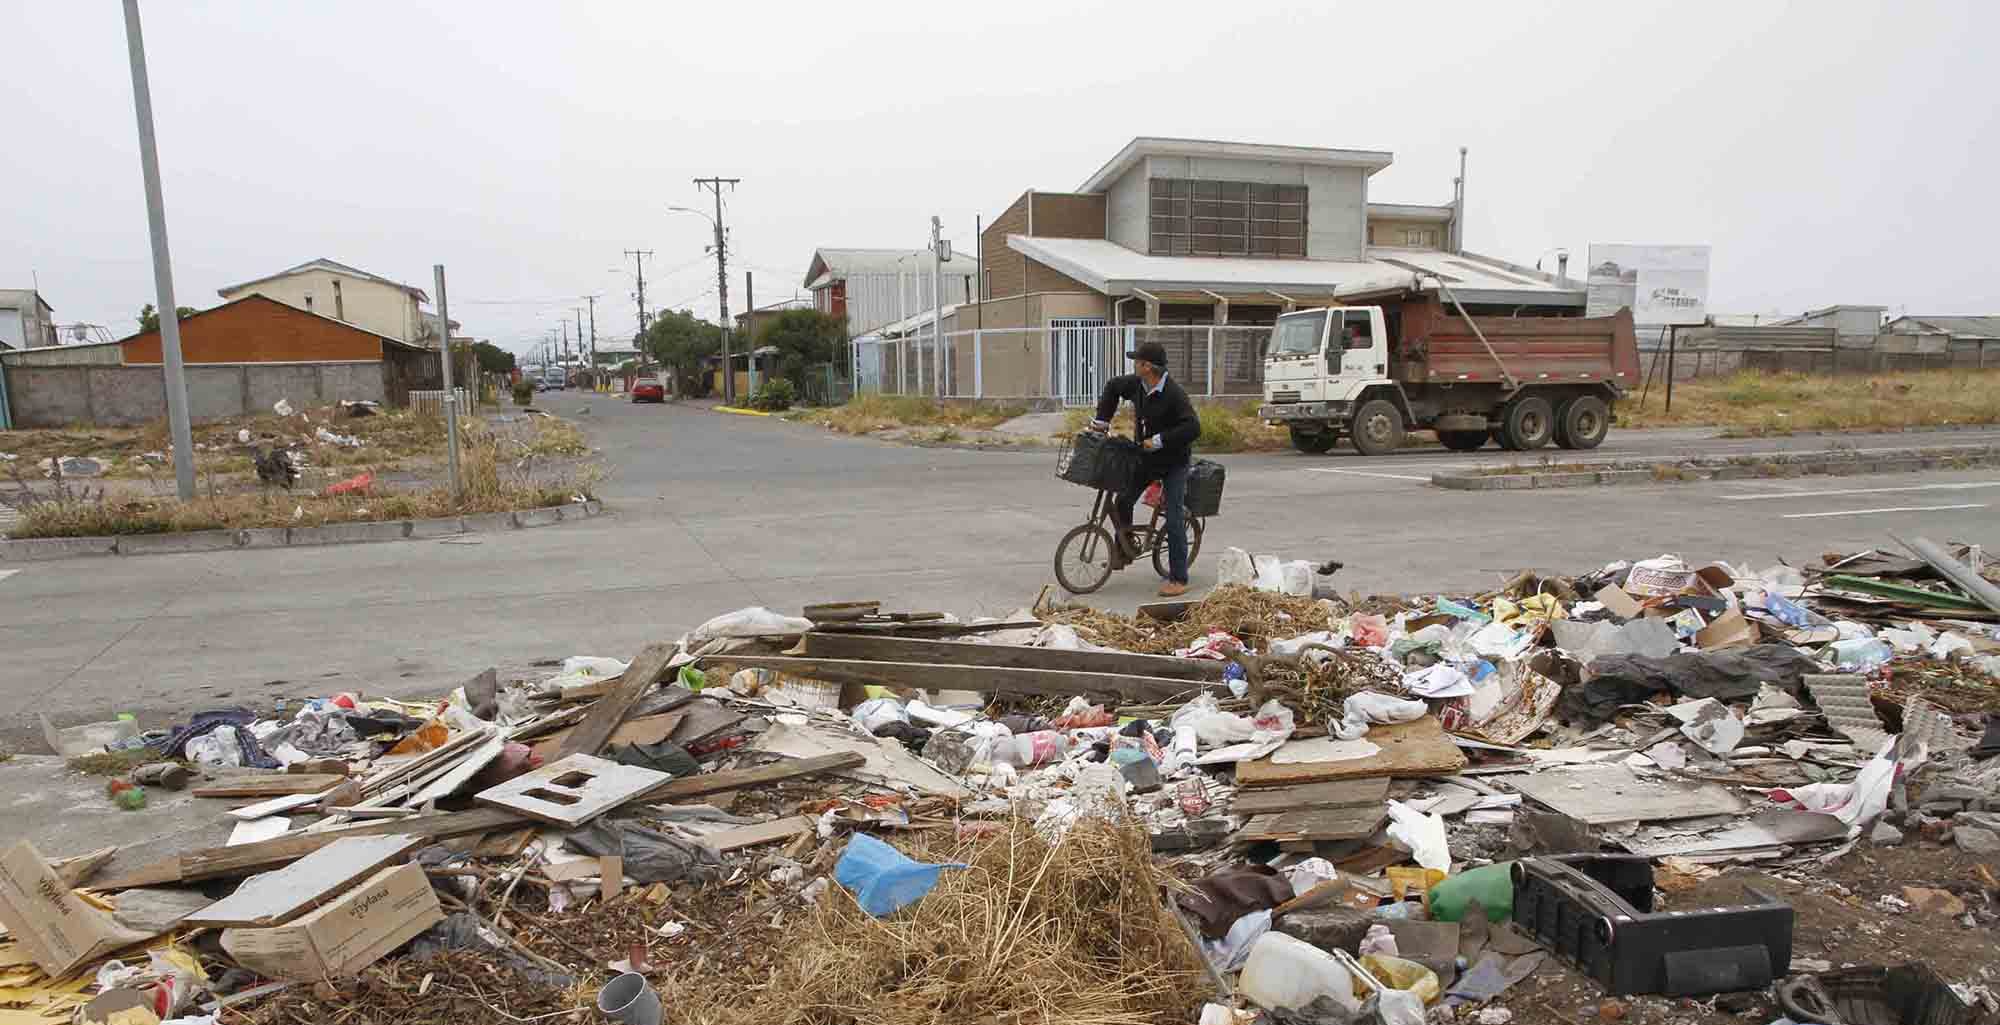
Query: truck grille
(1284, 396)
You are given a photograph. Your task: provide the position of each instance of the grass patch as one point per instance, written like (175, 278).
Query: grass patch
(112, 763)
(1755, 403)
(1225, 427)
(865, 413)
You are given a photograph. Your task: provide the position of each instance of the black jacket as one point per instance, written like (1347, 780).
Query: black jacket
(1168, 414)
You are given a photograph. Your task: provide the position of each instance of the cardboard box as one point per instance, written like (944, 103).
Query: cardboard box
(1618, 601)
(341, 938)
(59, 930)
(1729, 630)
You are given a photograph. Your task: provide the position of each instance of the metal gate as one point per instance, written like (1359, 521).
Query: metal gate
(1078, 364)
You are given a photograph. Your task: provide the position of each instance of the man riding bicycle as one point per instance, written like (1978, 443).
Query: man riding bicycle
(1166, 429)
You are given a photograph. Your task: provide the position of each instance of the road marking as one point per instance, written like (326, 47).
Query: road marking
(1958, 486)
(5, 573)
(1890, 509)
(1365, 473)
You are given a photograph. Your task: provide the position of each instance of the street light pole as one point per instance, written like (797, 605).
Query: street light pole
(163, 271)
(450, 395)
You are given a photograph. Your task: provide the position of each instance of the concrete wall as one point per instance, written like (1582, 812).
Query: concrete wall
(1336, 212)
(1126, 206)
(383, 309)
(120, 396)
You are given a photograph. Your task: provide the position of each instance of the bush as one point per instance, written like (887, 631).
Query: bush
(524, 392)
(776, 396)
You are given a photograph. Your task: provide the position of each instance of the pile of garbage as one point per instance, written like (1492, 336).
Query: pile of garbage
(1263, 805)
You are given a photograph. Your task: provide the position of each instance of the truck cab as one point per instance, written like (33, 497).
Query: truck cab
(1317, 365)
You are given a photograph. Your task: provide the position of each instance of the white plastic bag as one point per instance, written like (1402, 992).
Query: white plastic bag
(1852, 803)
(1211, 725)
(1229, 952)
(751, 622)
(1295, 578)
(218, 747)
(1422, 835)
(1368, 708)
(1235, 569)
(1438, 680)
(876, 713)
(1290, 647)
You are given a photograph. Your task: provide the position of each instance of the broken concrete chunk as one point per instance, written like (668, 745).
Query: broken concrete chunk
(1327, 928)
(1974, 840)
(1885, 835)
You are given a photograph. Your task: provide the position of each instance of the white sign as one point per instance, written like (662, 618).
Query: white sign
(1662, 284)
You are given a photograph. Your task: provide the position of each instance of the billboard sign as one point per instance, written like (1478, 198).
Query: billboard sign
(1662, 284)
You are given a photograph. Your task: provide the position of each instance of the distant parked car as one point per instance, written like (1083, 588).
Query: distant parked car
(649, 389)
(554, 380)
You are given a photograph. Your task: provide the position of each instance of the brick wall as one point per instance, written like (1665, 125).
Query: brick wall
(259, 330)
(1006, 270)
(1068, 215)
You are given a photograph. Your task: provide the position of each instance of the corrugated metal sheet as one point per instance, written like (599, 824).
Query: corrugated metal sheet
(872, 301)
(1743, 336)
(100, 354)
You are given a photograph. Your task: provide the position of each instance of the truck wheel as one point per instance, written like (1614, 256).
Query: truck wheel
(1463, 441)
(1527, 423)
(1583, 422)
(1378, 428)
(1314, 444)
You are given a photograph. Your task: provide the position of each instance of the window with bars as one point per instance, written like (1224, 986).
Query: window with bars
(1219, 218)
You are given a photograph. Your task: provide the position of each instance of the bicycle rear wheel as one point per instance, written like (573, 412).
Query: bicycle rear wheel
(1083, 559)
(1160, 559)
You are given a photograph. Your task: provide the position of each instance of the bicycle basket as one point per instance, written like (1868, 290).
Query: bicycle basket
(1098, 461)
(1204, 488)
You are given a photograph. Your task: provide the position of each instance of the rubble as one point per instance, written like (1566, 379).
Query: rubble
(1257, 806)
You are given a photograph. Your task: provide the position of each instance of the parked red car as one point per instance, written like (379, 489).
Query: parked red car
(649, 389)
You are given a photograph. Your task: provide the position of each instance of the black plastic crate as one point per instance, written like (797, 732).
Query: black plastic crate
(1596, 912)
(1204, 488)
(1096, 460)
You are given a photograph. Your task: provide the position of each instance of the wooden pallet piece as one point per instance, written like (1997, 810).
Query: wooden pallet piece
(986, 679)
(572, 791)
(648, 669)
(966, 653)
(648, 730)
(277, 897)
(277, 784)
(1316, 824)
(1410, 749)
(1340, 793)
(761, 776)
(763, 832)
(244, 859)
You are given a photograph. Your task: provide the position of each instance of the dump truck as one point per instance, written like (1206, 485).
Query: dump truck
(1374, 373)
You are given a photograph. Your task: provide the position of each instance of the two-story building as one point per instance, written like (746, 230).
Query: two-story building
(332, 289)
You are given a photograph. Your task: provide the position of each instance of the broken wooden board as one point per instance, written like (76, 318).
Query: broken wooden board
(243, 859)
(648, 669)
(1600, 794)
(1411, 749)
(761, 776)
(461, 774)
(1343, 793)
(1351, 823)
(702, 718)
(967, 653)
(763, 832)
(572, 791)
(648, 730)
(272, 807)
(985, 679)
(277, 784)
(275, 898)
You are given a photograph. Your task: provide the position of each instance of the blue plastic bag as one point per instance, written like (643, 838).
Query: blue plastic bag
(882, 879)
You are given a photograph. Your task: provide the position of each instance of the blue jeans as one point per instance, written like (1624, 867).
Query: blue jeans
(1173, 500)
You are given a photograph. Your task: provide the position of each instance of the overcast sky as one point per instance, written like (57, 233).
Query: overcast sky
(1829, 152)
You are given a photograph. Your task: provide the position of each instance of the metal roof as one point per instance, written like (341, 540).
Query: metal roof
(1115, 270)
(829, 265)
(322, 263)
(1411, 211)
(1962, 326)
(1159, 146)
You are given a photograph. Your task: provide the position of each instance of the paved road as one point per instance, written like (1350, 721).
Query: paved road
(713, 512)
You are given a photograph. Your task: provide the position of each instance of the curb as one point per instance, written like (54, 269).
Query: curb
(739, 411)
(44, 549)
(1791, 464)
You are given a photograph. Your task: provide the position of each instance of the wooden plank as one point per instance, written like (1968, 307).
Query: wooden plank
(272, 806)
(645, 671)
(1343, 793)
(1419, 748)
(701, 718)
(274, 898)
(648, 730)
(277, 784)
(762, 775)
(988, 679)
(572, 791)
(1316, 824)
(763, 832)
(459, 775)
(610, 875)
(243, 859)
(1014, 656)
(1597, 795)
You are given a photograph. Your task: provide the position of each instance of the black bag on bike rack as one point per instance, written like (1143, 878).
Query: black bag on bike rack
(1204, 488)
(1101, 461)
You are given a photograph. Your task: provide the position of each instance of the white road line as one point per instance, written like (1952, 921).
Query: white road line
(1890, 509)
(1365, 473)
(1956, 486)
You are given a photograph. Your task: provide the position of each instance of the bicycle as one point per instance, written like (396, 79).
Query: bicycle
(1083, 556)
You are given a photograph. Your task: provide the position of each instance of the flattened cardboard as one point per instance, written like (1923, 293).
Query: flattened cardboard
(56, 927)
(345, 936)
(277, 896)
(1410, 749)
(1729, 630)
(1618, 601)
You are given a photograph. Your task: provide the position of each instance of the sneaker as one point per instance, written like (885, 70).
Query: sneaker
(1170, 589)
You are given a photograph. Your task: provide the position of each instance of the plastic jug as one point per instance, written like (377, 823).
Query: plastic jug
(1288, 972)
(1492, 886)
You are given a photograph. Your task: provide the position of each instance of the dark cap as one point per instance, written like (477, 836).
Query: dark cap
(1151, 352)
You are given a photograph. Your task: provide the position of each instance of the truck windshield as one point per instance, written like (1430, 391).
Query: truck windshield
(1297, 334)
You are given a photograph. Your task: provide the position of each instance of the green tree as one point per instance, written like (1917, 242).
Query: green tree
(149, 318)
(679, 341)
(804, 339)
(492, 358)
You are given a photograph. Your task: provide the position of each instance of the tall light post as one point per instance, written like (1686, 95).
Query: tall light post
(163, 271)
(722, 301)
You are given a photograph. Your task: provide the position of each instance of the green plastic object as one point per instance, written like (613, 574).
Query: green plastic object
(1492, 887)
(692, 678)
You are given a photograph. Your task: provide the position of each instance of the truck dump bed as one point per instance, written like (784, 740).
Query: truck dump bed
(1434, 346)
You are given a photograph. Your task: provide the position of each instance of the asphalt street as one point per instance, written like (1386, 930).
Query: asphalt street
(711, 512)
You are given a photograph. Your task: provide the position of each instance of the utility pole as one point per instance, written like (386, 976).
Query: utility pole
(750, 331)
(721, 279)
(450, 396)
(593, 327)
(163, 271)
(937, 307)
(638, 270)
(565, 349)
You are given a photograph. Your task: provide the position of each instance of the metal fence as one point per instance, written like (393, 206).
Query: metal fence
(430, 401)
(1066, 363)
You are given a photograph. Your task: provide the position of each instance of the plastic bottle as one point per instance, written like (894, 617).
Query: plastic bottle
(1027, 750)
(1492, 886)
(1286, 972)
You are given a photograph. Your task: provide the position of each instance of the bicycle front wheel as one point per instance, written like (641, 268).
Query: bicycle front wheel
(1160, 559)
(1083, 559)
